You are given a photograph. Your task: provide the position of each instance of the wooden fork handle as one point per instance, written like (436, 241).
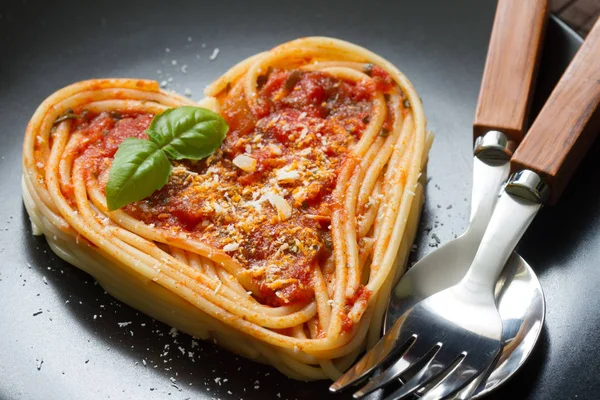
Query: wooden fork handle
(511, 67)
(568, 123)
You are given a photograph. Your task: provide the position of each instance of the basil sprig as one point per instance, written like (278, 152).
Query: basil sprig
(142, 166)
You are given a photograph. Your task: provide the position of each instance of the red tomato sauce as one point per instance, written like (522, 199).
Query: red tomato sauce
(299, 132)
(101, 136)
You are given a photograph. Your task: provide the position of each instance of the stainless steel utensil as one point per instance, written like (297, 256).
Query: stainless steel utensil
(518, 293)
(545, 161)
(456, 332)
(445, 267)
(505, 87)
(522, 307)
(465, 315)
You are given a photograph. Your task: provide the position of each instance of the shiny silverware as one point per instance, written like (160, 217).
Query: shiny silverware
(503, 103)
(455, 333)
(496, 246)
(445, 266)
(522, 307)
(545, 161)
(518, 292)
(448, 264)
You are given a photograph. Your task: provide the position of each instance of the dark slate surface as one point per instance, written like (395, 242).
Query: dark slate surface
(75, 349)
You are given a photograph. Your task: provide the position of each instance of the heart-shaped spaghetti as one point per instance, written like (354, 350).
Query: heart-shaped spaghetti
(284, 244)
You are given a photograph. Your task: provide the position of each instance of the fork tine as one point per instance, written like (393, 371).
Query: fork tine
(437, 365)
(457, 379)
(418, 350)
(386, 348)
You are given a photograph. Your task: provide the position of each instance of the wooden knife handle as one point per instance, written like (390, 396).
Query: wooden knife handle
(511, 67)
(568, 123)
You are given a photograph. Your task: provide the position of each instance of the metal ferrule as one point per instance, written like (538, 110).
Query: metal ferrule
(493, 148)
(528, 185)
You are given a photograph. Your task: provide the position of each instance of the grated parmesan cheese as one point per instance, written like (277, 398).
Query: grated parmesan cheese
(284, 210)
(231, 247)
(245, 163)
(214, 54)
(287, 175)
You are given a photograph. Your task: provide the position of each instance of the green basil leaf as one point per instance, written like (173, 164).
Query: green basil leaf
(139, 168)
(188, 132)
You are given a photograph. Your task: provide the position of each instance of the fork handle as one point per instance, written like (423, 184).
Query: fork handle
(568, 123)
(511, 67)
(504, 99)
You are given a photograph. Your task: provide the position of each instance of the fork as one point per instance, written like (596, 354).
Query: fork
(456, 333)
(461, 325)
(513, 19)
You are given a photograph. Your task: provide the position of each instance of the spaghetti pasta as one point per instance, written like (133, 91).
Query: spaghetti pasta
(284, 244)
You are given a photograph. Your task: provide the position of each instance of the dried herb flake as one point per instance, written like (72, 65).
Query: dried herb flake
(292, 80)
(262, 79)
(69, 114)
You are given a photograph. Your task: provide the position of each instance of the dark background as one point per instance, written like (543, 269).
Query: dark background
(579, 14)
(67, 353)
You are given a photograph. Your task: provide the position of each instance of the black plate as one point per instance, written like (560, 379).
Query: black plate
(65, 352)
